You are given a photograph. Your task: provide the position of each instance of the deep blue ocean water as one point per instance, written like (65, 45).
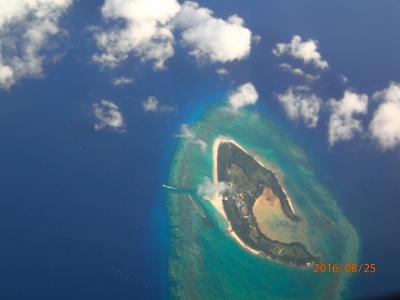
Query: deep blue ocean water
(82, 213)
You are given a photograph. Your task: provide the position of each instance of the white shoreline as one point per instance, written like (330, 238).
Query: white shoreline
(217, 199)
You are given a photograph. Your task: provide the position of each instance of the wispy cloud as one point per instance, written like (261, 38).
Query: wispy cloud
(256, 39)
(108, 115)
(300, 104)
(298, 72)
(121, 81)
(306, 51)
(152, 104)
(208, 189)
(344, 78)
(140, 29)
(25, 29)
(222, 72)
(343, 124)
(188, 134)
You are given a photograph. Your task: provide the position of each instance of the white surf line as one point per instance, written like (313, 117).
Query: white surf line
(170, 187)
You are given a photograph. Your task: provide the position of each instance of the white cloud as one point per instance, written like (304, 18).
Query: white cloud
(300, 104)
(342, 124)
(25, 28)
(152, 104)
(212, 39)
(222, 72)
(140, 29)
(256, 39)
(306, 51)
(108, 115)
(120, 81)
(145, 28)
(298, 72)
(187, 133)
(244, 95)
(208, 188)
(344, 78)
(385, 125)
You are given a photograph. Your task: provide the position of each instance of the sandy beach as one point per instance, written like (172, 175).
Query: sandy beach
(217, 198)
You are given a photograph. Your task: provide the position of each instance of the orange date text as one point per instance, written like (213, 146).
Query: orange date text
(344, 268)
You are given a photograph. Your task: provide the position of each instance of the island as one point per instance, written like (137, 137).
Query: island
(253, 193)
(258, 219)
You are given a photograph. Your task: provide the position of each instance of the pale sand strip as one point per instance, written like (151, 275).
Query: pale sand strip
(217, 199)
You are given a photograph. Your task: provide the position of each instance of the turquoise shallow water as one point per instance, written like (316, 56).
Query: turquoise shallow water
(206, 263)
